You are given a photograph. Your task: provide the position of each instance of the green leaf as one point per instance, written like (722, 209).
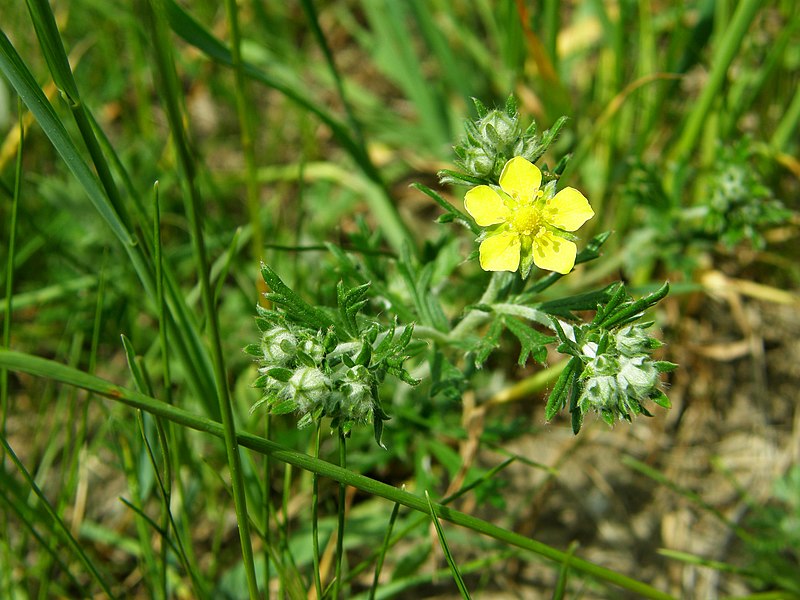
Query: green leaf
(451, 211)
(558, 397)
(282, 407)
(534, 343)
(489, 342)
(662, 400)
(295, 307)
(563, 307)
(630, 311)
(32, 95)
(280, 373)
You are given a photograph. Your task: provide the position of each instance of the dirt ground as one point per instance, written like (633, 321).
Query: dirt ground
(733, 430)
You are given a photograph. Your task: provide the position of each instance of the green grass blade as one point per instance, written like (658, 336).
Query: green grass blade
(9, 291)
(49, 38)
(730, 44)
(244, 112)
(171, 95)
(25, 85)
(462, 587)
(29, 517)
(40, 367)
(383, 550)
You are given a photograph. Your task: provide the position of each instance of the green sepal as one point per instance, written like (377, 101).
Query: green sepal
(280, 373)
(664, 366)
(261, 381)
(559, 394)
(661, 399)
(282, 407)
(253, 350)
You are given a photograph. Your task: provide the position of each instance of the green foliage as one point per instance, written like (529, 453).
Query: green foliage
(324, 115)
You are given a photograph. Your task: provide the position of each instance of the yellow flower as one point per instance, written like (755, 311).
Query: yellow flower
(526, 226)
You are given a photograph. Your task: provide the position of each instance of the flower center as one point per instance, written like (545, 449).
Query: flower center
(525, 220)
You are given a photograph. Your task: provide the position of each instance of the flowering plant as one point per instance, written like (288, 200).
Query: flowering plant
(318, 364)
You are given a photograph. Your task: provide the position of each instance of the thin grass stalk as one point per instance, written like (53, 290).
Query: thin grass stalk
(40, 367)
(58, 526)
(551, 19)
(382, 205)
(563, 572)
(724, 54)
(383, 550)
(451, 563)
(268, 541)
(246, 128)
(313, 21)
(9, 304)
(337, 586)
(785, 131)
(421, 518)
(27, 516)
(44, 23)
(315, 516)
(150, 570)
(166, 70)
(9, 291)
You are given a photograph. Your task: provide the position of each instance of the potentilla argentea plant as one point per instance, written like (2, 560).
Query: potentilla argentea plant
(318, 363)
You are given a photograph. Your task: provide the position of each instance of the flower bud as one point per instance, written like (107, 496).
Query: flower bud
(278, 345)
(638, 377)
(499, 128)
(313, 348)
(308, 387)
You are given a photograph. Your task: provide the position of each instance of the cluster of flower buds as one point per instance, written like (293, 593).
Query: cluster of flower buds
(739, 205)
(493, 139)
(318, 365)
(618, 373)
(313, 374)
(611, 371)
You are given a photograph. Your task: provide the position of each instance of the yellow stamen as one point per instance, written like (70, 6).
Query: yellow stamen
(525, 220)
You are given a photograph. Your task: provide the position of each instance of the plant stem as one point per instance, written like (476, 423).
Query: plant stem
(476, 317)
(193, 202)
(245, 133)
(337, 586)
(315, 516)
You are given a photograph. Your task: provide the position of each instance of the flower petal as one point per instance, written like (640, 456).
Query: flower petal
(521, 179)
(554, 253)
(486, 206)
(500, 252)
(568, 210)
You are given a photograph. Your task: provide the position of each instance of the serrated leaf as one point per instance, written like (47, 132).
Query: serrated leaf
(295, 307)
(489, 342)
(531, 340)
(563, 307)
